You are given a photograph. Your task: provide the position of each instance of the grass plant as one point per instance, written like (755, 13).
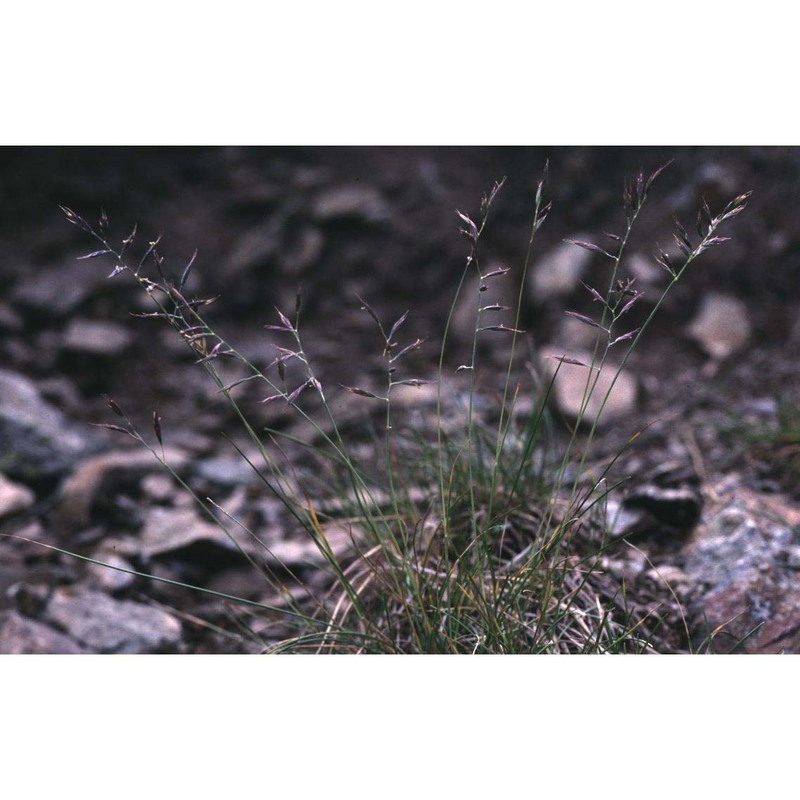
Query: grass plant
(481, 535)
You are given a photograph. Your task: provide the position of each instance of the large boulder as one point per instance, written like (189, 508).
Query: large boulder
(37, 441)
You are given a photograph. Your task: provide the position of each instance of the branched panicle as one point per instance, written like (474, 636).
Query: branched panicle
(113, 405)
(94, 254)
(486, 202)
(655, 174)
(621, 299)
(470, 232)
(415, 345)
(116, 428)
(187, 269)
(706, 226)
(703, 218)
(128, 241)
(630, 201)
(586, 320)
(365, 306)
(459, 581)
(736, 206)
(76, 219)
(183, 314)
(501, 329)
(148, 253)
(574, 361)
(592, 248)
(390, 343)
(542, 216)
(157, 426)
(682, 238)
(363, 393)
(635, 191)
(540, 186)
(663, 259)
(284, 327)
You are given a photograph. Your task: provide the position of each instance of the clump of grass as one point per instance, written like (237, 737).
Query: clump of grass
(480, 535)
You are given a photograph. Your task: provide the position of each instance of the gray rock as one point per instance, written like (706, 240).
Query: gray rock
(730, 548)
(22, 636)
(558, 273)
(256, 247)
(356, 202)
(169, 529)
(36, 439)
(13, 497)
(106, 625)
(303, 253)
(717, 177)
(113, 578)
(612, 399)
(572, 334)
(722, 325)
(10, 320)
(645, 270)
(227, 472)
(98, 337)
(623, 521)
(737, 564)
(92, 475)
(780, 611)
(301, 550)
(757, 616)
(57, 291)
(158, 487)
(625, 563)
(793, 557)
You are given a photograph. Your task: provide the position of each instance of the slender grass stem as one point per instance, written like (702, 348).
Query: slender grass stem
(478, 565)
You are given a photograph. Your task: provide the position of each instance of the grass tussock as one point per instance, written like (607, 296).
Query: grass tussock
(482, 532)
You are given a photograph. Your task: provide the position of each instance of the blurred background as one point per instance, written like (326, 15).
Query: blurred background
(377, 221)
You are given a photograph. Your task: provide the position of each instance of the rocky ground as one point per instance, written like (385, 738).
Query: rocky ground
(707, 524)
